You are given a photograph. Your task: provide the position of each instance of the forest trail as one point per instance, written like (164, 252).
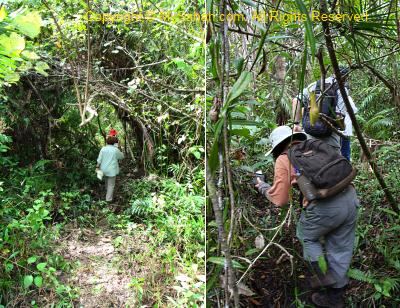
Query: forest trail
(103, 265)
(106, 260)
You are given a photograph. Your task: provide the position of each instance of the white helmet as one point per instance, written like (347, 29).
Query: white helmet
(281, 134)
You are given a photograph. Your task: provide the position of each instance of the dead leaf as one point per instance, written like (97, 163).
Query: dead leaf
(259, 242)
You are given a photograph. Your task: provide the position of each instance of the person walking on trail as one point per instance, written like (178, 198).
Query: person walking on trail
(332, 106)
(332, 218)
(107, 162)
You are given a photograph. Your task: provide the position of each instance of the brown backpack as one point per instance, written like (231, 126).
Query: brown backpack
(322, 171)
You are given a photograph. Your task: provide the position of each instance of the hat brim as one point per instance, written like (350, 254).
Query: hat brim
(296, 136)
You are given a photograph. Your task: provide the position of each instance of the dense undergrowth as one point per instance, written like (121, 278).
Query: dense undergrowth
(65, 81)
(36, 212)
(279, 277)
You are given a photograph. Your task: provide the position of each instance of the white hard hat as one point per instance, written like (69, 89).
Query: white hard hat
(281, 134)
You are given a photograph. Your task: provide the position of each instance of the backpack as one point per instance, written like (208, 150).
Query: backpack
(327, 107)
(322, 171)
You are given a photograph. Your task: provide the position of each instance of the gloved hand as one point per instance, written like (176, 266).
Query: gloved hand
(260, 184)
(262, 187)
(258, 176)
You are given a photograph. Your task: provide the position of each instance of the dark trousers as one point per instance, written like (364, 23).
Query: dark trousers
(345, 147)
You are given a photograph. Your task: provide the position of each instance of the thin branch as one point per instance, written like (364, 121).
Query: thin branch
(259, 36)
(168, 106)
(39, 96)
(136, 67)
(72, 64)
(176, 28)
(88, 59)
(269, 244)
(197, 90)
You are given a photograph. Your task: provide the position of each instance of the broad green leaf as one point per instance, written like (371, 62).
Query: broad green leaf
(209, 5)
(247, 103)
(38, 281)
(32, 259)
(182, 65)
(197, 154)
(221, 261)
(8, 267)
(3, 13)
(213, 160)
(238, 87)
(28, 280)
(28, 23)
(303, 71)
(214, 52)
(41, 266)
(12, 45)
(239, 63)
(7, 62)
(40, 67)
(31, 55)
(244, 132)
(243, 122)
(11, 77)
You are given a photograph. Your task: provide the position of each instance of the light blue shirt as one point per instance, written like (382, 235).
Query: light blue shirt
(108, 160)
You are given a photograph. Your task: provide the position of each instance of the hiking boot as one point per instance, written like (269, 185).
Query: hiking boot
(333, 298)
(319, 279)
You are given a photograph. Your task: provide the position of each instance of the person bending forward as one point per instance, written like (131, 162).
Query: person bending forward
(333, 219)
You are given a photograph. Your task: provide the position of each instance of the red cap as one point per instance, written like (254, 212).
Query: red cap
(112, 132)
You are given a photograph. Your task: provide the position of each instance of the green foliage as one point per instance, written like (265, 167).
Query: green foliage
(360, 276)
(48, 160)
(281, 58)
(172, 210)
(172, 215)
(322, 264)
(16, 53)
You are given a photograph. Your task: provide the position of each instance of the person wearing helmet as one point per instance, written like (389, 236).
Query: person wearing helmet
(333, 219)
(339, 143)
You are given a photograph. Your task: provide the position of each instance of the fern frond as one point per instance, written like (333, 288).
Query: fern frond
(360, 276)
(140, 207)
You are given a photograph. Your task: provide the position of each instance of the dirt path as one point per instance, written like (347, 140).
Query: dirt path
(107, 266)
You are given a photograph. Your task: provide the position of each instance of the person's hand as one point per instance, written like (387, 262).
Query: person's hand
(297, 128)
(261, 186)
(258, 182)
